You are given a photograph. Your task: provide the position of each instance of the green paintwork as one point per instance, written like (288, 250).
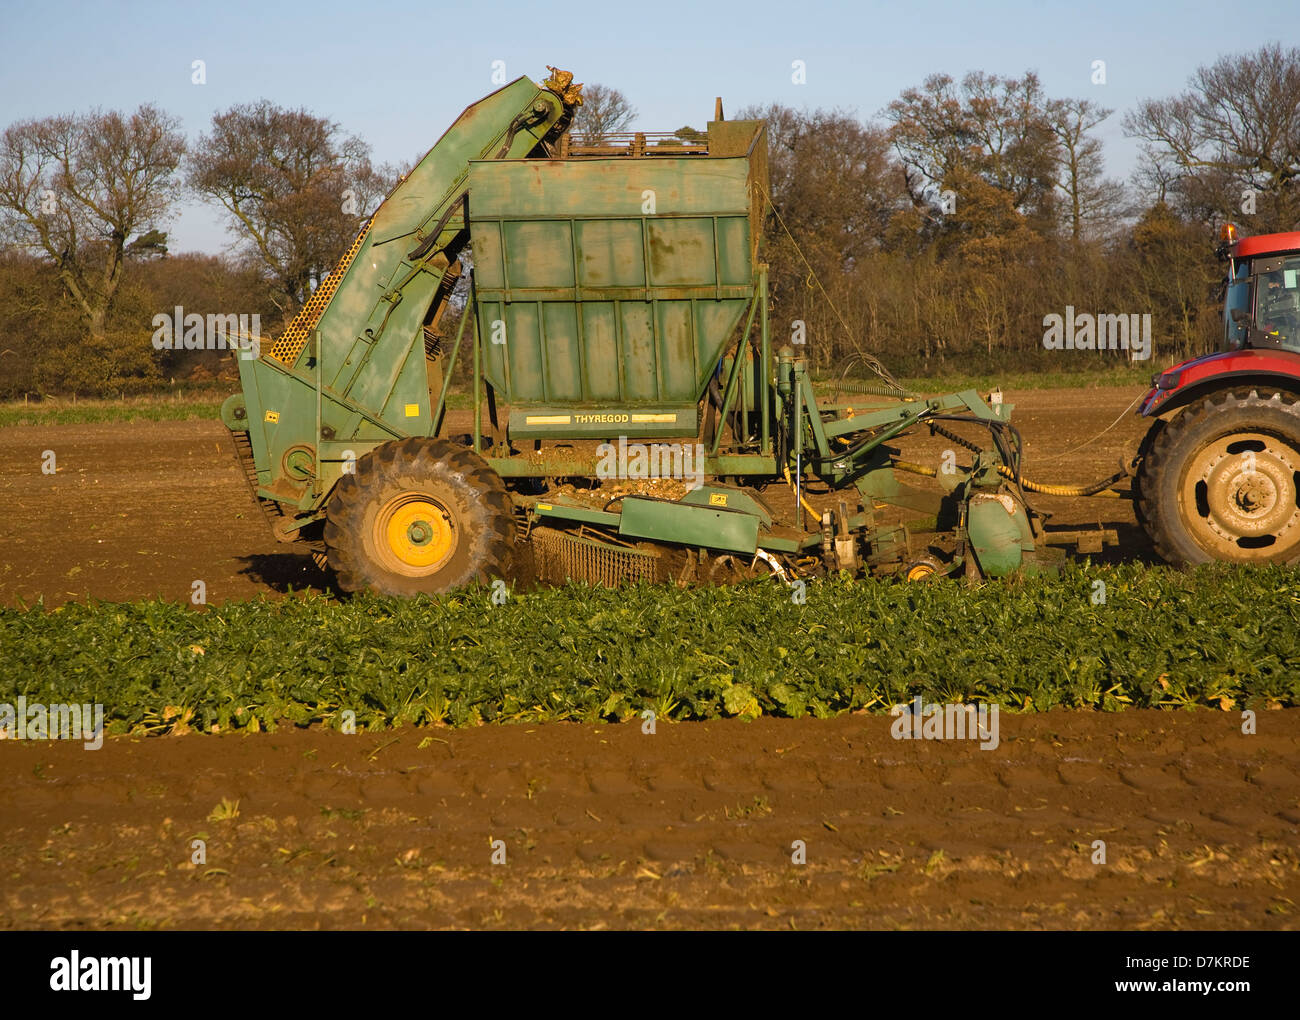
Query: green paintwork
(730, 498)
(372, 380)
(608, 287)
(566, 464)
(569, 512)
(607, 292)
(702, 526)
(1000, 539)
(234, 414)
(555, 421)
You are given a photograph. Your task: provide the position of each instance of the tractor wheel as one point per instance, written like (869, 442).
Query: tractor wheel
(1135, 486)
(419, 515)
(1220, 481)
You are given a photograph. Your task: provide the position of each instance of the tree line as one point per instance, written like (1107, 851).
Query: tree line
(85, 265)
(936, 236)
(940, 236)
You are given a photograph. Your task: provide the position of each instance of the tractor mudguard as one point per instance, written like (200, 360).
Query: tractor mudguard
(1190, 379)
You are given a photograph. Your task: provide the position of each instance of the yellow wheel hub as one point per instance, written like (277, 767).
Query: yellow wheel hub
(920, 572)
(416, 533)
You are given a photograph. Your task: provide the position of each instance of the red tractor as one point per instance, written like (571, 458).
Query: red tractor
(1219, 470)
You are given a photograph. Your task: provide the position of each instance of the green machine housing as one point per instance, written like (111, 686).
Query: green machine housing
(607, 292)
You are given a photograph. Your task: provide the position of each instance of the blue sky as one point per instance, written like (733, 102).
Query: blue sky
(397, 73)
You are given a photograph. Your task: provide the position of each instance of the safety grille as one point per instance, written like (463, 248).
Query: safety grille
(561, 557)
(291, 342)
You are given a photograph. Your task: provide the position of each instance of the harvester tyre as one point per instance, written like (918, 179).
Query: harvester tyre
(1220, 481)
(419, 515)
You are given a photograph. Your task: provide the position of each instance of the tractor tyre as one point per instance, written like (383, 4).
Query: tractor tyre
(1135, 486)
(1220, 481)
(419, 515)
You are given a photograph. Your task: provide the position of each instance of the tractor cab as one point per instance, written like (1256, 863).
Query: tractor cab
(1262, 304)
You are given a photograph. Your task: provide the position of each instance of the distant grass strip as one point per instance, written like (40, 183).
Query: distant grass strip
(1138, 375)
(207, 404)
(97, 412)
(1221, 638)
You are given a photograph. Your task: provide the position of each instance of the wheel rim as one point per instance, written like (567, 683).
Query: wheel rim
(415, 534)
(921, 571)
(1238, 497)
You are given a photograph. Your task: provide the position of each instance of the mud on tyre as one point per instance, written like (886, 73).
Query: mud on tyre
(1220, 481)
(419, 515)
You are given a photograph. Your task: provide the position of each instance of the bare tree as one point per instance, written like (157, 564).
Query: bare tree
(1235, 131)
(1091, 200)
(835, 187)
(604, 111)
(90, 191)
(833, 181)
(296, 190)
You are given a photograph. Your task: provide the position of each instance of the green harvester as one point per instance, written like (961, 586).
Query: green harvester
(631, 419)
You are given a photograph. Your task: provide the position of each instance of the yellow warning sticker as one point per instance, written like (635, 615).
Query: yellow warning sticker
(543, 506)
(717, 499)
(413, 410)
(273, 416)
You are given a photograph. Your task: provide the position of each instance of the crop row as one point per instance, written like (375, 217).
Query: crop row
(1217, 637)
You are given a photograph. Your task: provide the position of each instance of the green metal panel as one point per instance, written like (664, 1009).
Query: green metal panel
(729, 497)
(709, 527)
(588, 294)
(615, 187)
(999, 533)
(372, 380)
(566, 462)
(567, 512)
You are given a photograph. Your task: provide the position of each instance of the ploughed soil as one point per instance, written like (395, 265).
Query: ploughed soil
(696, 825)
(140, 510)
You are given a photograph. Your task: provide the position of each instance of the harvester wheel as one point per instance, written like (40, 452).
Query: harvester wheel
(419, 515)
(924, 569)
(1220, 481)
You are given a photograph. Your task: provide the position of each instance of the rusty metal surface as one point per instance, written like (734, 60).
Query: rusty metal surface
(561, 557)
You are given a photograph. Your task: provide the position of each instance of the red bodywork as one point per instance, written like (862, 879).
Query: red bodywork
(1190, 379)
(1265, 244)
(1269, 367)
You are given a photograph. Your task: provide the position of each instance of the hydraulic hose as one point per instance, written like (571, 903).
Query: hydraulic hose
(806, 505)
(1101, 488)
(1094, 489)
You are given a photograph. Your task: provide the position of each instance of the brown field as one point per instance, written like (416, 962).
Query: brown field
(140, 510)
(605, 826)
